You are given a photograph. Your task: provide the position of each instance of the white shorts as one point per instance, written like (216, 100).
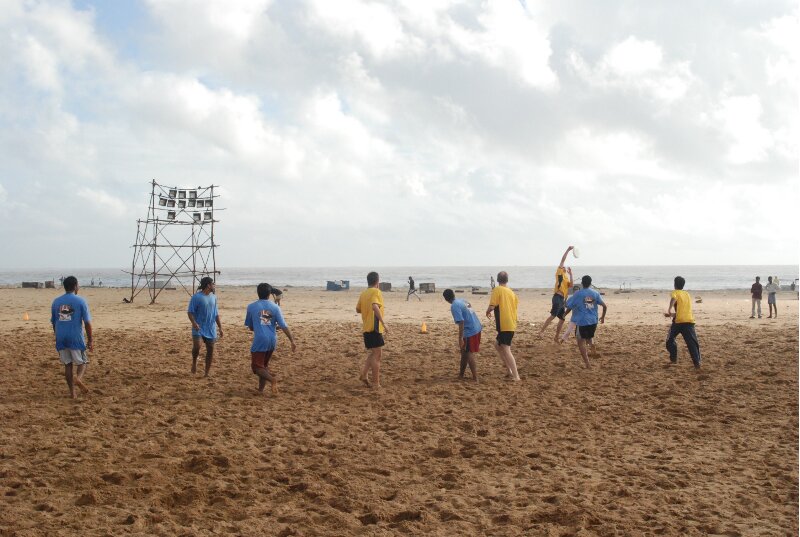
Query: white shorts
(73, 356)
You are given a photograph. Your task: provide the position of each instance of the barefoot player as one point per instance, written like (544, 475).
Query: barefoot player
(560, 295)
(682, 323)
(503, 303)
(583, 305)
(69, 314)
(204, 317)
(370, 306)
(469, 332)
(262, 318)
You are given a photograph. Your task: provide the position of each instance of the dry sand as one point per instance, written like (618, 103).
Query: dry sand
(631, 447)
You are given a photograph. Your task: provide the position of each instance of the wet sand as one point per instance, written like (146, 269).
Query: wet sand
(633, 446)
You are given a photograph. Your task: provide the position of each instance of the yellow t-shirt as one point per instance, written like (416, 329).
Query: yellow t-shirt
(505, 304)
(683, 307)
(562, 288)
(369, 297)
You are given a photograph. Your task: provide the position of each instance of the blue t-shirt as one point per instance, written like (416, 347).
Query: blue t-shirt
(262, 317)
(67, 314)
(584, 306)
(462, 312)
(204, 309)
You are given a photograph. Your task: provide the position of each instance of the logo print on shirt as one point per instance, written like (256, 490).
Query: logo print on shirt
(266, 317)
(65, 312)
(588, 302)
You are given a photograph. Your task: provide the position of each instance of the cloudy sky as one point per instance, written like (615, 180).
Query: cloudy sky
(426, 132)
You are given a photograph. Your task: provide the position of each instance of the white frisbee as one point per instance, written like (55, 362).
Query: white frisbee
(576, 252)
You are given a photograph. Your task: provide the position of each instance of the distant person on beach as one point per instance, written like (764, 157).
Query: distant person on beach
(469, 332)
(204, 316)
(755, 292)
(412, 289)
(682, 323)
(772, 288)
(277, 295)
(262, 318)
(491, 282)
(583, 305)
(69, 314)
(504, 303)
(560, 295)
(370, 306)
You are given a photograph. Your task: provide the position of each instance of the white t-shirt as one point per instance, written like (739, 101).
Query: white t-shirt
(771, 288)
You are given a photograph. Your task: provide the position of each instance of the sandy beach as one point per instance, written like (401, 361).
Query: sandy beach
(634, 446)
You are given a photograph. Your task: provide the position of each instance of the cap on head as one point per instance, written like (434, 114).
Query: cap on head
(502, 277)
(70, 283)
(449, 295)
(372, 278)
(263, 290)
(586, 281)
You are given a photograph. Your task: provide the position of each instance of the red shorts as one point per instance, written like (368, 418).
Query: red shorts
(260, 360)
(473, 343)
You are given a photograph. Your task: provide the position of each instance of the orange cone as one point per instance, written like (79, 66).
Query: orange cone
(26, 317)
(424, 329)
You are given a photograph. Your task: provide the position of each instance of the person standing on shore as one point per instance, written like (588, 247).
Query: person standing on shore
(772, 288)
(504, 303)
(584, 304)
(370, 306)
(204, 316)
(682, 323)
(469, 332)
(262, 318)
(755, 292)
(412, 289)
(69, 314)
(560, 295)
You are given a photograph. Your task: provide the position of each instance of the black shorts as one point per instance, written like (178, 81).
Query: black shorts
(504, 338)
(373, 340)
(557, 309)
(586, 332)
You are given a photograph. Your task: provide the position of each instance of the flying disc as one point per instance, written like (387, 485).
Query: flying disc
(576, 252)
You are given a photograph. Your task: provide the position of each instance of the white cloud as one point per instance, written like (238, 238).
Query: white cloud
(637, 65)
(105, 203)
(740, 117)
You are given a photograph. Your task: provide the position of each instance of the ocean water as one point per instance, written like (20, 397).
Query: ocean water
(698, 277)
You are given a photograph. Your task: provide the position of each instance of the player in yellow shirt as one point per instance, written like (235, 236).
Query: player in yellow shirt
(560, 292)
(370, 306)
(503, 303)
(682, 323)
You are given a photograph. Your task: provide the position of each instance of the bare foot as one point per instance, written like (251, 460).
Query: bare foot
(194, 368)
(274, 386)
(81, 385)
(377, 388)
(365, 381)
(73, 395)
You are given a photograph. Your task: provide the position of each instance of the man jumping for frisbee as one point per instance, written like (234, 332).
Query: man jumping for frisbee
(560, 295)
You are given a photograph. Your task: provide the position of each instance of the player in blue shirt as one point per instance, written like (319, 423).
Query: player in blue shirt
(204, 317)
(469, 332)
(583, 305)
(262, 318)
(69, 314)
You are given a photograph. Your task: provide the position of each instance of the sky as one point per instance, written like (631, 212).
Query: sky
(404, 133)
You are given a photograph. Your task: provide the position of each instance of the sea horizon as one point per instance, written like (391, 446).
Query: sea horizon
(699, 277)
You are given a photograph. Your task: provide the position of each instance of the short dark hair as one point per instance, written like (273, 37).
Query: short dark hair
(586, 281)
(372, 278)
(70, 283)
(679, 282)
(263, 290)
(449, 295)
(502, 277)
(758, 278)
(205, 281)
(769, 279)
